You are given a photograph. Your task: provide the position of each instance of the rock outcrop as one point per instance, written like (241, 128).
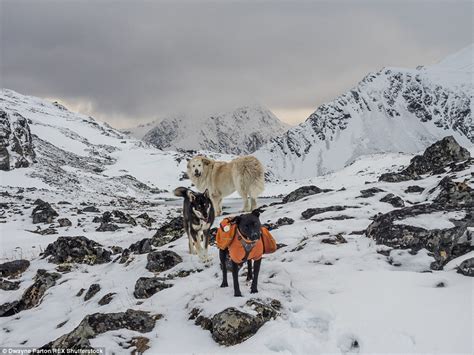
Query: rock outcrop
(76, 250)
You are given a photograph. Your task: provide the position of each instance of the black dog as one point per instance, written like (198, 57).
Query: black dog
(250, 228)
(198, 217)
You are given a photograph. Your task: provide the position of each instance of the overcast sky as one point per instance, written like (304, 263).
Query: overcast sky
(130, 62)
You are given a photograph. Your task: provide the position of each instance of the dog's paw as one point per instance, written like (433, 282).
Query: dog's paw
(224, 284)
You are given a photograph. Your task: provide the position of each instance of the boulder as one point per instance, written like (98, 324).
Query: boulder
(91, 292)
(445, 244)
(99, 323)
(466, 268)
(33, 295)
(91, 209)
(414, 189)
(232, 326)
(435, 159)
(146, 287)
(9, 285)
(168, 232)
(14, 268)
(369, 192)
(145, 220)
(64, 222)
(107, 227)
(162, 260)
(454, 193)
(310, 212)
(302, 192)
(106, 299)
(395, 201)
(43, 213)
(76, 250)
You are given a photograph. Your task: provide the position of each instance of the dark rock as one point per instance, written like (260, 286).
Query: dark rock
(146, 287)
(64, 222)
(33, 295)
(414, 189)
(168, 232)
(338, 239)
(162, 260)
(46, 231)
(146, 220)
(436, 157)
(310, 212)
(284, 221)
(302, 192)
(91, 292)
(107, 227)
(43, 213)
(76, 250)
(232, 326)
(466, 268)
(81, 291)
(445, 244)
(141, 247)
(106, 299)
(369, 192)
(454, 193)
(123, 218)
(395, 201)
(9, 285)
(91, 209)
(14, 268)
(99, 323)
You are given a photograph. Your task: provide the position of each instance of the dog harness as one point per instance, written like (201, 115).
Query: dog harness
(240, 248)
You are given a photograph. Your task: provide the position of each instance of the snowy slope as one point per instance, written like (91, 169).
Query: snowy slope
(393, 110)
(343, 298)
(240, 131)
(80, 155)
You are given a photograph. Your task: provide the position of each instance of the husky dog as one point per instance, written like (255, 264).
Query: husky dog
(243, 174)
(198, 217)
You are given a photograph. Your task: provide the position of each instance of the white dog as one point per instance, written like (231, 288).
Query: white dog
(244, 175)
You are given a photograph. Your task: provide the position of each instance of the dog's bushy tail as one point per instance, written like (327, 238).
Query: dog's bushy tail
(180, 191)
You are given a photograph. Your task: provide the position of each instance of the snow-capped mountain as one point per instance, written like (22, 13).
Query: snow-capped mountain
(393, 110)
(47, 146)
(241, 131)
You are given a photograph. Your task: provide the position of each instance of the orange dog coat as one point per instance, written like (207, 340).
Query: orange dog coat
(229, 237)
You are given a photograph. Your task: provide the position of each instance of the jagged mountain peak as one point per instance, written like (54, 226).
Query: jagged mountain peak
(393, 110)
(239, 131)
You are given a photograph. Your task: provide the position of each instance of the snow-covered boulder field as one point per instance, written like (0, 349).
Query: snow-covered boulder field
(364, 265)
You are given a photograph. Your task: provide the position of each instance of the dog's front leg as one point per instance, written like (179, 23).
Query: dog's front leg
(191, 244)
(256, 270)
(249, 270)
(223, 259)
(235, 277)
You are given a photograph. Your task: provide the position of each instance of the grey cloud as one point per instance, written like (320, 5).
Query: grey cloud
(138, 60)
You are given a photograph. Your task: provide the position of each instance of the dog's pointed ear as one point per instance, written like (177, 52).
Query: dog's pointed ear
(256, 212)
(206, 161)
(191, 195)
(206, 193)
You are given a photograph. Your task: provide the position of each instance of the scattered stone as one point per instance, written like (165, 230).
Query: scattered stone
(445, 244)
(43, 213)
(64, 222)
(440, 284)
(168, 232)
(140, 345)
(46, 231)
(414, 189)
(310, 212)
(454, 193)
(466, 268)
(33, 295)
(106, 299)
(99, 323)
(436, 157)
(162, 260)
(9, 285)
(91, 209)
(123, 218)
(141, 247)
(146, 287)
(145, 219)
(337, 239)
(232, 326)
(64, 268)
(76, 250)
(14, 268)
(369, 192)
(107, 227)
(91, 292)
(302, 192)
(81, 291)
(395, 201)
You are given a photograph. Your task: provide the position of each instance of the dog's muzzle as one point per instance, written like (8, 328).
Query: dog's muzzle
(197, 173)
